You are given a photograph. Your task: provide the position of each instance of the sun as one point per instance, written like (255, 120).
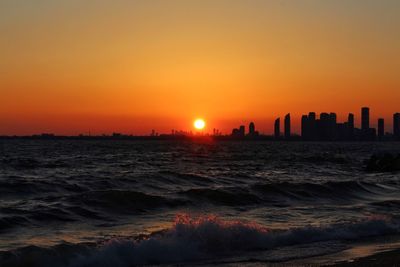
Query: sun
(199, 124)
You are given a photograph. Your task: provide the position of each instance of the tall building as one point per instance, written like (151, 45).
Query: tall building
(287, 126)
(242, 130)
(365, 119)
(333, 117)
(381, 128)
(350, 120)
(350, 125)
(332, 126)
(312, 126)
(305, 128)
(396, 125)
(324, 126)
(277, 128)
(252, 128)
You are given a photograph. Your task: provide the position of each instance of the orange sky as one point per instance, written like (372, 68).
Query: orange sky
(70, 67)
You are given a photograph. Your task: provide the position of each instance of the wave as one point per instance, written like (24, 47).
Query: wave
(15, 217)
(9, 222)
(387, 204)
(330, 190)
(192, 177)
(224, 196)
(196, 239)
(287, 193)
(208, 237)
(13, 186)
(123, 200)
(26, 163)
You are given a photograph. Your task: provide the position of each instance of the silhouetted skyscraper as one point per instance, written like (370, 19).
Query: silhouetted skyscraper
(305, 128)
(396, 125)
(252, 128)
(381, 128)
(367, 133)
(333, 117)
(332, 126)
(277, 128)
(312, 126)
(350, 125)
(324, 126)
(365, 119)
(312, 116)
(287, 126)
(239, 132)
(242, 130)
(350, 121)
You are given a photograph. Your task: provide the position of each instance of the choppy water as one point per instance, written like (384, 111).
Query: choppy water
(124, 203)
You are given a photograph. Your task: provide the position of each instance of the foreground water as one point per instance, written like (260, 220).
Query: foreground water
(124, 203)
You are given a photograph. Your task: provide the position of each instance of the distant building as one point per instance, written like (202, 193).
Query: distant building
(312, 116)
(333, 117)
(350, 120)
(235, 132)
(396, 125)
(312, 126)
(381, 128)
(365, 119)
(242, 130)
(252, 128)
(367, 133)
(153, 133)
(277, 128)
(332, 126)
(324, 126)
(305, 127)
(327, 128)
(287, 126)
(239, 132)
(216, 132)
(350, 126)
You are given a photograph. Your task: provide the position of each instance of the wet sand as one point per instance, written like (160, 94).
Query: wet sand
(382, 259)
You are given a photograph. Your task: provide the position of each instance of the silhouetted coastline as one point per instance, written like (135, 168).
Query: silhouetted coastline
(324, 128)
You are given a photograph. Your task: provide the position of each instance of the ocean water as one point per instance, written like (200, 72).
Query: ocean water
(127, 203)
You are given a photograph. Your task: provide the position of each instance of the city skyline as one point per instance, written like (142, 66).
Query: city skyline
(313, 127)
(130, 66)
(326, 127)
(126, 125)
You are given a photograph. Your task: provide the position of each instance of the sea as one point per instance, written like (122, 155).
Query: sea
(122, 203)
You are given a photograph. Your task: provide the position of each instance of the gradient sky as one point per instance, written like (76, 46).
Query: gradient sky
(70, 66)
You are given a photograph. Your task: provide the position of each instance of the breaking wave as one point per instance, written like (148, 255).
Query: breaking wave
(194, 239)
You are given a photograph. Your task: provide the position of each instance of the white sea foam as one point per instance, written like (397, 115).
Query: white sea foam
(208, 237)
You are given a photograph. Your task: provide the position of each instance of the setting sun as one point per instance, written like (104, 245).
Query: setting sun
(199, 124)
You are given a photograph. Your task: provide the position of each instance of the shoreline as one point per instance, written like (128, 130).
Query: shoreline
(378, 251)
(383, 259)
(194, 137)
